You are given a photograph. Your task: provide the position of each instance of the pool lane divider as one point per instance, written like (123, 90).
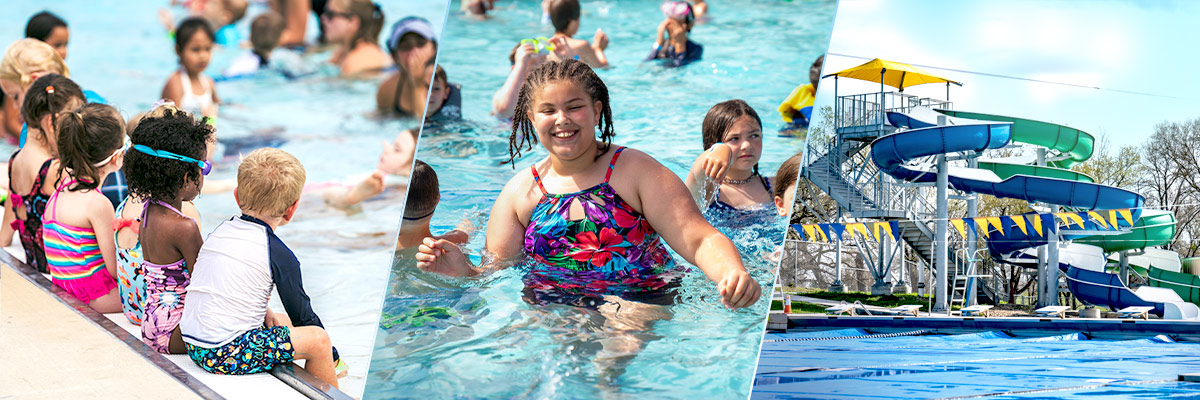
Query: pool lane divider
(1105, 328)
(1058, 389)
(291, 375)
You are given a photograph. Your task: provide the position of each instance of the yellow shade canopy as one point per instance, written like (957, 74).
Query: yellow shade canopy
(894, 74)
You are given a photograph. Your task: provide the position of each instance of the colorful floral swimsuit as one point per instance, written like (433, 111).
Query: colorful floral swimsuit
(131, 276)
(166, 290)
(30, 229)
(611, 251)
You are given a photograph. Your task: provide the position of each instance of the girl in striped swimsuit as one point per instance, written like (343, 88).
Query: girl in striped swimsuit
(90, 146)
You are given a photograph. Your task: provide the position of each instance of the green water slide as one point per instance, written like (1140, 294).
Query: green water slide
(1155, 228)
(1074, 144)
(1187, 285)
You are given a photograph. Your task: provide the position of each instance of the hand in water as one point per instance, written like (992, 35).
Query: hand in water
(600, 40)
(443, 257)
(738, 289)
(716, 161)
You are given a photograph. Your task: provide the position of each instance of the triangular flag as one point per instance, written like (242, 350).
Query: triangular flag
(995, 221)
(821, 233)
(799, 231)
(958, 224)
(1099, 219)
(1077, 218)
(981, 227)
(970, 223)
(838, 229)
(1019, 221)
(895, 229)
(862, 230)
(1051, 225)
(808, 231)
(1125, 214)
(875, 229)
(1036, 221)
(1112, 217)
(1062, 216)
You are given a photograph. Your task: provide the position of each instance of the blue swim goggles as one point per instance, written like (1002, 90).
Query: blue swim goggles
(205, 166)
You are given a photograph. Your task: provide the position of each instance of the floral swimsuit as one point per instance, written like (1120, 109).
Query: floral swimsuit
(611, 251)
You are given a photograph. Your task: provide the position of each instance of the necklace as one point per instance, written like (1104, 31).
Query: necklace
(728, 181)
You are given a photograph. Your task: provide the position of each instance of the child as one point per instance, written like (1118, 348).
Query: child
(353, 27)
(90, 147)
(167, 169)
(131, 273)
(423, 197)
(189, 88)
(31, 172)
(786, 177)
(524, 57)
(51, 29)
(25, 61)
(413, 47)
(679, 50)
(732, 134)
(599, 244)
(564, 14)
(264, 37)
(796, 110)
(227, 327)
(445, 99)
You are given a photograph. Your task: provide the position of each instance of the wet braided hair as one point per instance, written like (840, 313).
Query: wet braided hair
(523, 136)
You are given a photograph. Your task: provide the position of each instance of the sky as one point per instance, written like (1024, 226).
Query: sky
(1115, 68)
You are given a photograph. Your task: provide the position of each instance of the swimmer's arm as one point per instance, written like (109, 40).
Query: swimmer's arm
(12, 118)
(505, 240)
(671, 212)
(662, 29)
(189, 209)
(6, 230)
(505, 99)
(455, 236)
(173, 90)
(712, 164)
(596, 48)
(186, 239)
(295, 19)
(386, 96)
(285, 273)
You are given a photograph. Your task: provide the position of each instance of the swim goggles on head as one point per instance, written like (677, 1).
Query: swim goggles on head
(539, 43)
(205, 166)
(110, 156)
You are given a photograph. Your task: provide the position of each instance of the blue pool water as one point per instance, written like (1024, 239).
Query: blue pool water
(119, 50)
(477, 337)
(839, 365)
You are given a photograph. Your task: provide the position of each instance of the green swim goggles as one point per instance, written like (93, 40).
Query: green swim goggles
(205, 166)
(539, 44)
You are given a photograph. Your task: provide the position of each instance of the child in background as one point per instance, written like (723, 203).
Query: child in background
(413, 46)
(786, 179)
(189, 88)
(445, 99)
(564, 14)
(264, 37)
(165, 170)
(227, 327)
(423, 198)
(353, 27)
(31, 170)
(796, 109)
(395, 160)
(25, 61)
(728, 169)
(51, 29)
(90, 146)
(221, 14)
(678, 50)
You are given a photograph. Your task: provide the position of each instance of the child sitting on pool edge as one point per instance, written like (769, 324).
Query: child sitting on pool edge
(227, 327)
(424, 195)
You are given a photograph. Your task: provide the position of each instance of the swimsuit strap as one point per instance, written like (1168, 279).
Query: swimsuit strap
(170, 207)
(53, 201)
(766, 183)
(538, 179)
(146, 208)
(396, 100)
(185, 83)
(613, 162)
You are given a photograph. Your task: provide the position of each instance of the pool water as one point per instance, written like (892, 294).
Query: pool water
(839, 365)
(477, 337)
(119, 50)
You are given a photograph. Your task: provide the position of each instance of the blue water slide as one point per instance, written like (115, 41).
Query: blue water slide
(1107, 290)
(891, 154)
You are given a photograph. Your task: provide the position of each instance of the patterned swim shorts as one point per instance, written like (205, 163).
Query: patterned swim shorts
(257, 350)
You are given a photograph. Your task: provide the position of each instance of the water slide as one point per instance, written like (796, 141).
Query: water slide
(1013, 177)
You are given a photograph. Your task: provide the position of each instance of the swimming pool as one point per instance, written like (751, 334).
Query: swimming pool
(478, 338)
(119, 50)
(843, 364)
